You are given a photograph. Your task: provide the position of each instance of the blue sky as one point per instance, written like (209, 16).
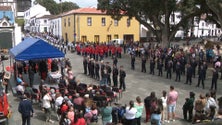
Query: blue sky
(83, 3)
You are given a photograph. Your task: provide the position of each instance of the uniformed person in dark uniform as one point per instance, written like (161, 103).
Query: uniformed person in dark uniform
(201, 77)
(109, 70)
(183, 65)
(189, 74)
(122, 75)
(133, 59)
(92, 68)
(169, 69)
(143, 64)
(115, 76)
(193, 65)
(214, 78)
(174, 64)
(85, 63)
(102, 68)
(115, 61)
(205, 66)
(178, 71)
(160, 67)
(152, 66)
(97, 77)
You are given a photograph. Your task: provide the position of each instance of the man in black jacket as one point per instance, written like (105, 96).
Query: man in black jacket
(26, 110)
(122, 75)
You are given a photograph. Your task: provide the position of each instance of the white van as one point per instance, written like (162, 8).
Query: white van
(117, 41)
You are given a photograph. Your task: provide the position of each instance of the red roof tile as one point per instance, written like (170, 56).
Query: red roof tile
(85, 11)
(5, 8)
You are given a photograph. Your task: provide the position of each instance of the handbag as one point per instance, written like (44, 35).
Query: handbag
(4, 82)
(7, 75)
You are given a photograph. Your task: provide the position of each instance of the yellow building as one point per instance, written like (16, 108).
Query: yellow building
(90, 24)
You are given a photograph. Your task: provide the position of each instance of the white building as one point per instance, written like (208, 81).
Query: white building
(32, 13)
(55, 26)
(205, 29)
(42, 24)
(200, 28)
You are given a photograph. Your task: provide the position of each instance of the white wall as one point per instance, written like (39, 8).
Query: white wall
(55, 27)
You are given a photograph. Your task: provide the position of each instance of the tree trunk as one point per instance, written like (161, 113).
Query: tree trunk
(165, 41)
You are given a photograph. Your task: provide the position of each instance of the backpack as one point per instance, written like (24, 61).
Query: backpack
(94, 118)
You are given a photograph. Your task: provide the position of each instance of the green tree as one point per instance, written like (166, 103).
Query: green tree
(67, 6)
(50, 5)
(56, 8)
(155, 14)
(216, 7)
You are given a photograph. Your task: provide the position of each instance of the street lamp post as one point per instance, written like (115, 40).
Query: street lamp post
(60, 5)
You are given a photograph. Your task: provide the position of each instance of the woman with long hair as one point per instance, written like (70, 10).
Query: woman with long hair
(130, 114)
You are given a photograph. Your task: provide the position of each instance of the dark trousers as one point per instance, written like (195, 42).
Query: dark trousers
(178, 76)
(130, 122)
(97, 75)
(143, 68)
(189, 79)
(160, 72)
(138, 121)
(133, 66)
(152, 70)
(194, 72)
(200, 79)
(189, 111)
(214, 84)
(169, 74)
(109, 80)
(122, 84)
(85, 69)
(115, 80)
(25, 119)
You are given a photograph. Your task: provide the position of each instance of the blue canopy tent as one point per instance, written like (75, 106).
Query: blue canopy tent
(34, 48)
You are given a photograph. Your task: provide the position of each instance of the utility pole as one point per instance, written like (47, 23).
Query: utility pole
(60, 6)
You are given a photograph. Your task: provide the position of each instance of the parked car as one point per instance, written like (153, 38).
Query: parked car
(117, 41)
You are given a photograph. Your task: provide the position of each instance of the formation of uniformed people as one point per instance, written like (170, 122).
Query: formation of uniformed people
(99, 51)
(179, 62)
(102, 72)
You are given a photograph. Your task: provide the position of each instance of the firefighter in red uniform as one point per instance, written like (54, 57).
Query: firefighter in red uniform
(106, 50)
(101, 53)
(113, 51)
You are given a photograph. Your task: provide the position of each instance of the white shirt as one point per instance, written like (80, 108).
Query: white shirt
(46, 101)
(210, 102)
(164, 101)
(58, 101)
(130, 114)
(20, 88)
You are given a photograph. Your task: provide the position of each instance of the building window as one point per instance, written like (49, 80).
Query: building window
(64, 22)
(84, 38)
(103, 21)
(116, 36)
(96, 38)
(45, 21)
(5, 24)
(109, 37)
(116, 22)
(69, 22)
(89, 21)
(45, 29)
(128, 22)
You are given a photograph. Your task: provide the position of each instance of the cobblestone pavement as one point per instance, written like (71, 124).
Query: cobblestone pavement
(137, 84)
